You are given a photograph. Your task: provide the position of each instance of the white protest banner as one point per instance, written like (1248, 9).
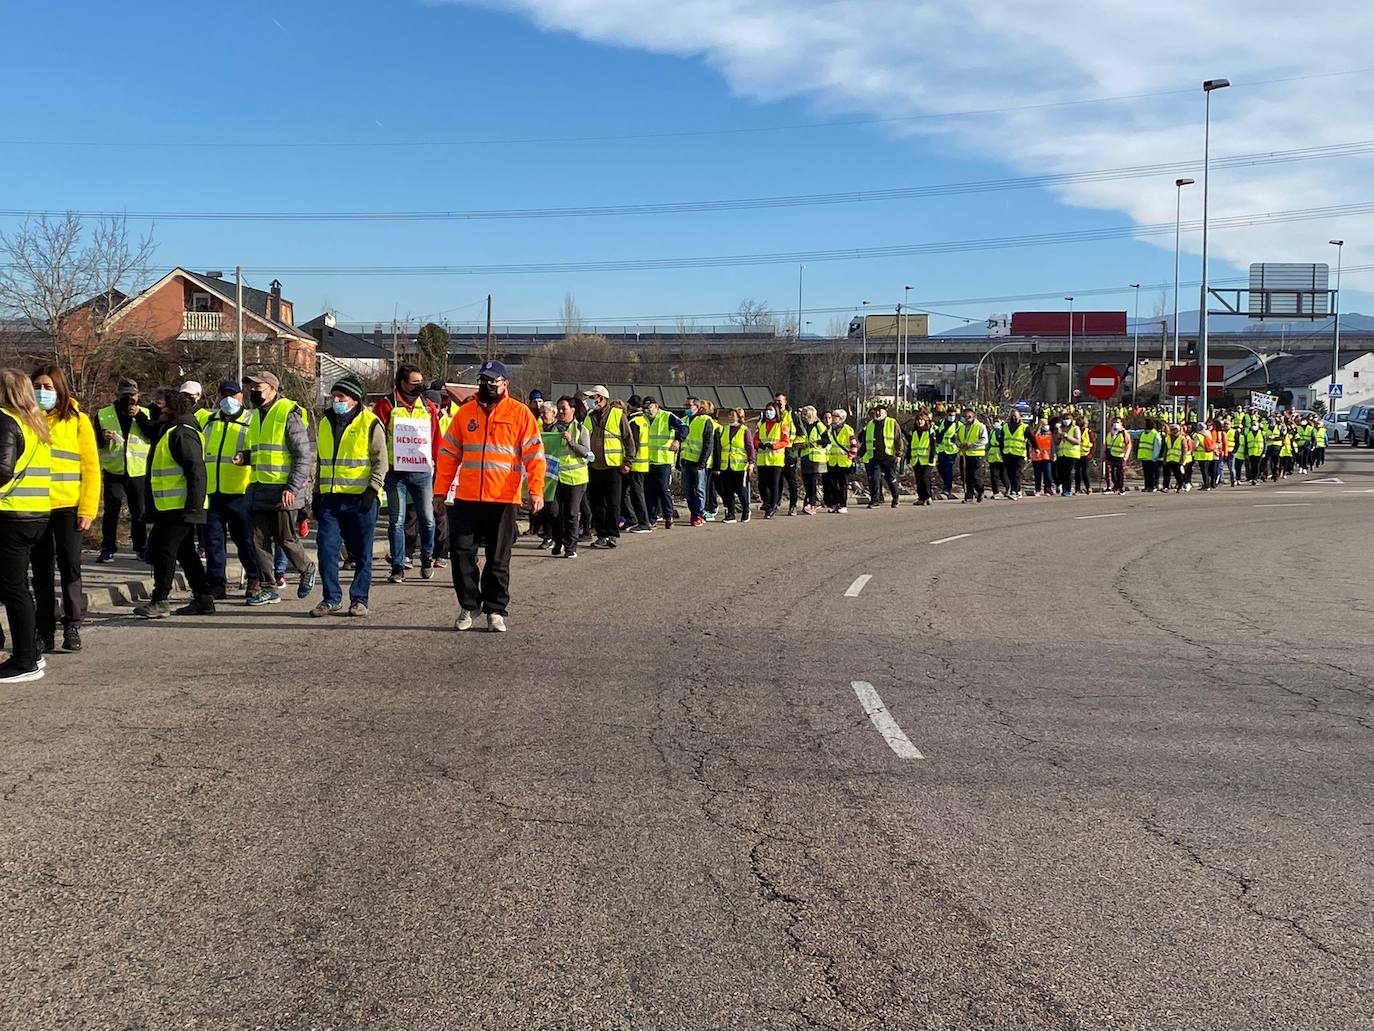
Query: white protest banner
(1264, 402)
(411, 444)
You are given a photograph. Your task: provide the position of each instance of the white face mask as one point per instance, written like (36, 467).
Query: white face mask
(1116, 427)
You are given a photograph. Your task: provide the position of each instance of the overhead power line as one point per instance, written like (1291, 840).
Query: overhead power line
(1354, 148)
(221, 144)
(841, 254)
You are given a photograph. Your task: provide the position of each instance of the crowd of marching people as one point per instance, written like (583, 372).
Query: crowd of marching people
(253, 467)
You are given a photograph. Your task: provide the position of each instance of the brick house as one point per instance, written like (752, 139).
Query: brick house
(189, 313)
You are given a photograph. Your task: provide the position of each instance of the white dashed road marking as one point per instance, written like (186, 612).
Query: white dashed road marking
(1287, 504)
(1104, 515)
(858, 585)
(882, 719)
(956, 537)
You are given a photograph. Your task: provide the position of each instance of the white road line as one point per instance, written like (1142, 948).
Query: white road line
(1104, 515)
(1329, 479)
(882, 719)
(1301, 492)
(858, 585)
(1288, 504)
(1367, 490)
(956, 537)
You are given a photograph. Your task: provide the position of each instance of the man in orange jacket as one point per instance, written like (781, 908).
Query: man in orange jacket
(491, 440)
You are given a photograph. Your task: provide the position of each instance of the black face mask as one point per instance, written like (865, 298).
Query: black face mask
(408, 392)
(256, 397)
(487, 393)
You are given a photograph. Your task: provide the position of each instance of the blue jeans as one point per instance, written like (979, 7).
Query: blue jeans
(341, 523)
(694, 489)
(945, 464)
(658, 492)
(417, 488)
(228, 518)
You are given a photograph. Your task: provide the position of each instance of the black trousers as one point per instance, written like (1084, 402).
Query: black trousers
(811, 479)
(118, 491)
(789, 477)
(172, 541)
(568, 498)
(924, 481)
(659, 492)
(882, 470)
(547, 522)
(1252, 467)
(1173, 471)
(1013, 465)
(835, 487)
(275, 527)
(732, 490)
(604, 490)
(770, 487)
(973, 477)
(1063, 473)
(1116, 474)
(634, 488)
(997, 474)
(489, 525)
(17, 540)
(60, 547)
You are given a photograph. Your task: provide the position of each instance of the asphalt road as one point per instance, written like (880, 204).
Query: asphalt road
(658, 802)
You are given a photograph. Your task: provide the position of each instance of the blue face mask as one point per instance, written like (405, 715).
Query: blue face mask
(342, 408)
(230, 406)
(47, 399)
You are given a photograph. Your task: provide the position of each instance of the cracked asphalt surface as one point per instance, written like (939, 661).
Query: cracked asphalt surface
(657, 804)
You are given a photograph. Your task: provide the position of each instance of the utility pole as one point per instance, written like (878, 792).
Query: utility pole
(395, 349)
(489, 341)
(238, 318)
(1135, 346)
(897, 362)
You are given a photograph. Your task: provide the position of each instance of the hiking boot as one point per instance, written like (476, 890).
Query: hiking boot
(200, 605)
(358, 610)
(153, 610)
(325, 609)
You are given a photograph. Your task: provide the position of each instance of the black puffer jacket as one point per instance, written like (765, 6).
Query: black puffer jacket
(11, 461)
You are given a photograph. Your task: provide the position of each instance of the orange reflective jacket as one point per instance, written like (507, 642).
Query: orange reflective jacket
(486, 451)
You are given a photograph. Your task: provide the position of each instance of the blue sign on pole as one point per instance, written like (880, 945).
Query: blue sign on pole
(1335, 390)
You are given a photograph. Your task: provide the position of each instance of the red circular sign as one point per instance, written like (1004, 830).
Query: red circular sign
(1103, 381)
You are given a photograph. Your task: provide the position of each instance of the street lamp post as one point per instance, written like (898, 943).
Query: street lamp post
(897, 360)
(1135, 343)
(1336, 345)
(863, 369)
(906, 322)
(800, 270)
(1207, 88)
(1179, 184)
(1069, 387)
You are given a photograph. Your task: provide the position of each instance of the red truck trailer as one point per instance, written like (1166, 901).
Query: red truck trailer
(1056, 323)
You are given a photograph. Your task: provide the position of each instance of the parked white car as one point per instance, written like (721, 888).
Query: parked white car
(1336, 430)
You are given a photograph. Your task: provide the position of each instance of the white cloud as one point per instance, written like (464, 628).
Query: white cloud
(894, 57)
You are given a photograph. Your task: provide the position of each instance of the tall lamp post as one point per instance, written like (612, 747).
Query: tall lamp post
(1207, 89)
(906, 321)
(863, 369)
(1179, 184)
(1336, 346)
(1069, 387)
(800, 270)
(1135, 343)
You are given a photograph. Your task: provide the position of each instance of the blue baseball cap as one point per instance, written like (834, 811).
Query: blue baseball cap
(230, 386)
(493, 370)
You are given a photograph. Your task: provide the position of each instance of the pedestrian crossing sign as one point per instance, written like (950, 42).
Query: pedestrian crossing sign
(1335, 390)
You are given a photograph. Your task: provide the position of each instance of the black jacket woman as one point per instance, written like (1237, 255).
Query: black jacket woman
(25, 504)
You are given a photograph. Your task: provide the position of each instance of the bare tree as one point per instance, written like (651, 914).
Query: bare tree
(755, 315)
(50, 267)
(572, 317)
(432, 350)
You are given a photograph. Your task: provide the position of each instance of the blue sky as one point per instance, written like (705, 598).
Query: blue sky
(387, 83)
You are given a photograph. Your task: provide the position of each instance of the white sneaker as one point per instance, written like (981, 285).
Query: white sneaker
(496, 623)
(844, 510)
(464, 620)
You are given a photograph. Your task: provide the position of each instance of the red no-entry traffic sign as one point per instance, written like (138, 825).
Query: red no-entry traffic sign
(1103, 382)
